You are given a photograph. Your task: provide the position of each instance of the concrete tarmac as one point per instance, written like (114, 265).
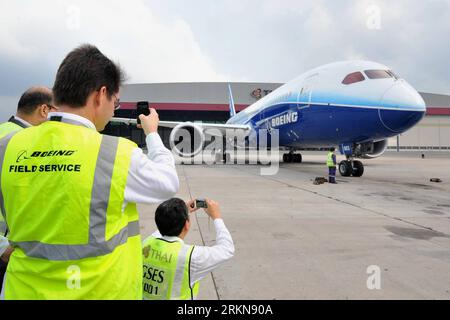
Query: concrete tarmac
(385, 235)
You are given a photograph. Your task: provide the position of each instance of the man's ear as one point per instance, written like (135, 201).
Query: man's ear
(187, 225)
(102, 96)
(42, 111)
(98, 97)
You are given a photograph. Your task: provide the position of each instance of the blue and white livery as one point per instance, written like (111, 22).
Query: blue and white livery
(353, 105)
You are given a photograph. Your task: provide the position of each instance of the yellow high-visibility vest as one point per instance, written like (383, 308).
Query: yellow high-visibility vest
(8, 127)
(62, 192)
(330, 162)
(167, 270)
(12, 125)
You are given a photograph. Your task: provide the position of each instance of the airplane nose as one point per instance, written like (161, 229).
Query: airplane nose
(402, 107)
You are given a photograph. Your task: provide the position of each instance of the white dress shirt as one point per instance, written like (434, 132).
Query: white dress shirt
(205, 259)
(24, 122)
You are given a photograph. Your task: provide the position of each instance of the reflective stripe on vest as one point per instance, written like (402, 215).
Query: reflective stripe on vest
(3, 143)
(97, 246)
(330, 162)
(167, 270)
(7, 129)
(3, 228)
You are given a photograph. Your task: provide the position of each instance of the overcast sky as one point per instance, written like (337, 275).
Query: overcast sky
(223, 40)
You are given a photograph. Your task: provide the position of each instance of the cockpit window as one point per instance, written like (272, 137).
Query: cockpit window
(353, 77)
(393, 74)
(378, 74)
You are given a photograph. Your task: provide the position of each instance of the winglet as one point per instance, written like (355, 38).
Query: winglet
(230, 96)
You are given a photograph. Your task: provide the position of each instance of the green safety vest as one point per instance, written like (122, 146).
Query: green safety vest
(330, 162)
(12, 125)
(62, 192)
(167, 270)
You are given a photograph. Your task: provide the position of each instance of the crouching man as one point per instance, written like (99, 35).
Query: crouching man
(173, 269)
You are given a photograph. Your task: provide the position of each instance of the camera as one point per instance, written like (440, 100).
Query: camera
(142, 107)
(201, 203)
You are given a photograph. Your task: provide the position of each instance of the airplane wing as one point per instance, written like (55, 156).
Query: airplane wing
(202, 125)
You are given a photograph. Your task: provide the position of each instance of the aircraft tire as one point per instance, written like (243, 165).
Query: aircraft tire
(288, 158)
(345, 168)
(358, 169)
(297, 158)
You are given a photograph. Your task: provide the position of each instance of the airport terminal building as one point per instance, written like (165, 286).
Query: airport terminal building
(208, 102)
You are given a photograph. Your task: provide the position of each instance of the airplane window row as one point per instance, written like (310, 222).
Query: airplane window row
(371, 74)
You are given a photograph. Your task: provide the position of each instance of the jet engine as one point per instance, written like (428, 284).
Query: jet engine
(370, 150)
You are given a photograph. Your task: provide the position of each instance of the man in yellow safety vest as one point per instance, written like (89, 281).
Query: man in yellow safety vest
(32, 109)
(173, 269)
(69, 193)
(331, 164)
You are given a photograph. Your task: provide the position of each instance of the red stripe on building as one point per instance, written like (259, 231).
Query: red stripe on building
(438, 111)
(431, 111)
(185, 106)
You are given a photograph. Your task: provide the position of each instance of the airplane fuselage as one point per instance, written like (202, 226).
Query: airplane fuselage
(339, 103)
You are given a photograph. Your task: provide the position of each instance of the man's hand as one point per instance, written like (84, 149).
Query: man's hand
(191, 206)
(213, 209)
(5, 256)
(150, 123)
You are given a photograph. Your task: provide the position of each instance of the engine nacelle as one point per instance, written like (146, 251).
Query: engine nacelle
(187, 139)
(371, 150)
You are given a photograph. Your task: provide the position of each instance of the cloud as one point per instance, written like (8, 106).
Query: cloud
(42, 33)
(35, 37)
(275, 41)
(255, 40)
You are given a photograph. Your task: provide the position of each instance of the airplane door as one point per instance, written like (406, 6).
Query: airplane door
(306, 92)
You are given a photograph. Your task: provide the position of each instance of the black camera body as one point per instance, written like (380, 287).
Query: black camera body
(201, 203)
(142, 107)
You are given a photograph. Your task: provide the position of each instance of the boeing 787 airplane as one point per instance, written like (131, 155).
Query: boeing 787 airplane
(353, 105)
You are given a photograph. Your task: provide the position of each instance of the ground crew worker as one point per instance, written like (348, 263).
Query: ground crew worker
(173, 269)
(331, 164)
(76, 191)
(32, 109)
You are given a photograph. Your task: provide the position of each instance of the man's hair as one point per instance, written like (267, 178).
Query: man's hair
(170, 217)
(332, 149)
(33, 98)
(83, 71)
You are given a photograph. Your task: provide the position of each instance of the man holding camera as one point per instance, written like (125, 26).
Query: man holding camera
(70, 202)
(173, 269)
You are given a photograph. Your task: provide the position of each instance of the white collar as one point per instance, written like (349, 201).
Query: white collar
(26, 123)
(158, 235)
(74, 118)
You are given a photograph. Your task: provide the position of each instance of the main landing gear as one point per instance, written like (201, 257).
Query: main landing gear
(351, 167)
(292, 157)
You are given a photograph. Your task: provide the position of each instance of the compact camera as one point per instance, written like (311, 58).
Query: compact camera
(201, 203)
